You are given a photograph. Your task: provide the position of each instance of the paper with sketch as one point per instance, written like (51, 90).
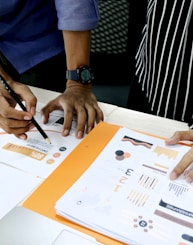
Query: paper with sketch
(15, 186)
(35, 155)
(126, 193)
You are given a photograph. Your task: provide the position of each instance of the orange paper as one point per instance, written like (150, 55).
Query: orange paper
(44, 198)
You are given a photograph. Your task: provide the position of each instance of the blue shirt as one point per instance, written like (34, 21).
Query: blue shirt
(30, 31)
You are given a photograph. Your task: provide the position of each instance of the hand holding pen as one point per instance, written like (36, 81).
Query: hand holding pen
(13, 121)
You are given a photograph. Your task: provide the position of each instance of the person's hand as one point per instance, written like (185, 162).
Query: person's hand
(15, 121)
(76, 100)
(186, 160)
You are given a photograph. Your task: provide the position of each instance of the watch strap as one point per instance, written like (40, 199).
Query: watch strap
(72, 75)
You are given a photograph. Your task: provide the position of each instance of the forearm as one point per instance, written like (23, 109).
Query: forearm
(77, 48)
(78, 98)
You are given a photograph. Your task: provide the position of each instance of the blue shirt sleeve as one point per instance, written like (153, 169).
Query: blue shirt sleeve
(77, 15)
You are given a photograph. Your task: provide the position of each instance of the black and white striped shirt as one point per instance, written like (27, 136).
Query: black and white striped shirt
(164, 58)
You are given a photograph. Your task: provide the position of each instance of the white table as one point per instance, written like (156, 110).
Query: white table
(128, 118)
(115, 115)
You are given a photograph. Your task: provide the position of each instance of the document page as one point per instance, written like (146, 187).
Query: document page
(35, 155)
(15, 186)
(126, 193)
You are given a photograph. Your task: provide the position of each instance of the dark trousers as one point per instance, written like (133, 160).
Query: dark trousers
(49, 74)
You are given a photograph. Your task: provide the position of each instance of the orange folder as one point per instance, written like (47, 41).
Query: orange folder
(43, 199)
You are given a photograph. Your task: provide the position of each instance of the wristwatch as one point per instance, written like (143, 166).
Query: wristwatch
(83, 74)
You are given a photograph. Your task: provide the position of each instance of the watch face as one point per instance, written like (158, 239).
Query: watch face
(85, 75)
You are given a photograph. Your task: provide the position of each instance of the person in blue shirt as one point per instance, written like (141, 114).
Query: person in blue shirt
(39, 41)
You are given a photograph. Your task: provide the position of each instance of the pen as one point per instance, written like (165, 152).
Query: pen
(19, 102)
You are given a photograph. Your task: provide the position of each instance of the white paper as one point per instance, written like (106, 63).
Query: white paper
(126, 193)
(15, 186)
(35, 155)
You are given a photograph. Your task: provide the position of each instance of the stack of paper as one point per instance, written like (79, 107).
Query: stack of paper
(127, 195)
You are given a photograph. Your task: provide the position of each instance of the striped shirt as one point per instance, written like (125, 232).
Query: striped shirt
(164, 58)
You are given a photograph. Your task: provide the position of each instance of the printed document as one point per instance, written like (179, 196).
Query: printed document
(35, 155)
(127, 195)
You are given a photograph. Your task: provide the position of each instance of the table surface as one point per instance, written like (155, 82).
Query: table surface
(151, 124)
(124, 117)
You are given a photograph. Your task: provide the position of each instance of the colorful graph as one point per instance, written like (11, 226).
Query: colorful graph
(137, 198)
(166, 152)
(148, 182)
(177, 189)
(137, 142)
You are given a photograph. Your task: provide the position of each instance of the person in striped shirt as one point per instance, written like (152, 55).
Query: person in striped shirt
(163, 79)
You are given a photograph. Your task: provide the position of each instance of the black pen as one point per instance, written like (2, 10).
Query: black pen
(19, 102)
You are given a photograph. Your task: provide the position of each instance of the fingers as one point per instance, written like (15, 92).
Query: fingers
(68, 118)
(179, 136)
(187, 159)
(16, 127)
(94, 115)
(87, 116)
(59, 104)
(14, 121)
(47, 109)
(82, 105)
(85, 120)
(180, 168)
(26, 95)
